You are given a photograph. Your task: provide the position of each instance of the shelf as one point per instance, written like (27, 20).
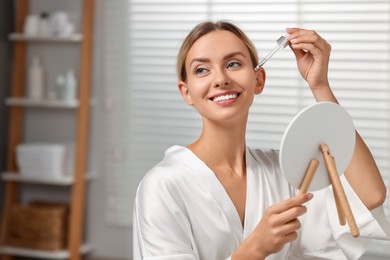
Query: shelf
(41, 103)
(22, 37)
(42, 254)
(53, 49)
(63, 181)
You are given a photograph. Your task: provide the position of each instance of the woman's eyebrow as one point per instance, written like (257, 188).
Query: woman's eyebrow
(201, 60)
(233, 54)
(226, 57)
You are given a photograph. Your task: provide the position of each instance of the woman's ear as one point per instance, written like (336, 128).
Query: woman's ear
(185, 93)
(260, 78)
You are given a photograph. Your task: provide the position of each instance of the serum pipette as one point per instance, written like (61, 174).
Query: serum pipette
(282, 43)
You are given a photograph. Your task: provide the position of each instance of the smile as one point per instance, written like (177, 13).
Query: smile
(225, 97)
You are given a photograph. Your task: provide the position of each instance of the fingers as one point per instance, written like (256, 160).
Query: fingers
(290, 227)
(299, 36)
(302, 40)
(290, 237)
(290, 214)
(286, 228)
(285, 205)
(312, 55)
(278, 225)
(303, 35)
(299, 53)
(287, 211)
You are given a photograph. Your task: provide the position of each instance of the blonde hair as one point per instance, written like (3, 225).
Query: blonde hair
(203, 29)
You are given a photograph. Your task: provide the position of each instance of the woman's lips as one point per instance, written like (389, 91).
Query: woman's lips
(224, 97)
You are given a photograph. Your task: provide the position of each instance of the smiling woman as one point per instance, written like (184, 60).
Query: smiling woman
(144, 113)
(221, 73)
(218, 198)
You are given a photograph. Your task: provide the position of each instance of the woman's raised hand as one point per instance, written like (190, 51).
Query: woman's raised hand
(312, 53)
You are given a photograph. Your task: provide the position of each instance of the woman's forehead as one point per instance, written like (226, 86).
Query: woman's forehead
(217, 43)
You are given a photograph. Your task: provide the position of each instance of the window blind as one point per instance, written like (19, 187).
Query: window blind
(144, 111)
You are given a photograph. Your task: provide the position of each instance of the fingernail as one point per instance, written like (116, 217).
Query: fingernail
(310, 196)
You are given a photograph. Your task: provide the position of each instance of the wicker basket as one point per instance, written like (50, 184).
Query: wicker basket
(39, 225)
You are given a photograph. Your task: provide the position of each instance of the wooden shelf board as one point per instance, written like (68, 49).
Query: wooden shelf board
(41, 103)
(43, 254)
(64, 181)
(77, 37)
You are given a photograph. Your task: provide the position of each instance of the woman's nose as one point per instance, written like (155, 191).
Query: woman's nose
(221, 79)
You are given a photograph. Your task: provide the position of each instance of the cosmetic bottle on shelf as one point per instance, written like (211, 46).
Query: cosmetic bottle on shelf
(70, 86)
(36, 79)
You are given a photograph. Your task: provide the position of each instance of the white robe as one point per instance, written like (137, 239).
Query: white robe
(182, 211)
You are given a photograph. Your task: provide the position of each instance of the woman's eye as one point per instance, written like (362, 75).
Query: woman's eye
(233, 64)
(199, 71)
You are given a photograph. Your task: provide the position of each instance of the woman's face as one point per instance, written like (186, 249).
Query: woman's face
(221, 81)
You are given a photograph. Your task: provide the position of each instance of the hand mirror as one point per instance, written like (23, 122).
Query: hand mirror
(321, 123)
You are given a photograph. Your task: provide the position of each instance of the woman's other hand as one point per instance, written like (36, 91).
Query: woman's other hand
(277, 227)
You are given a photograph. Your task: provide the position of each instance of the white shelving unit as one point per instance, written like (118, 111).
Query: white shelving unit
(42, 103)
(22, 37)
(47, 123)
(63, 181)
(42, 254)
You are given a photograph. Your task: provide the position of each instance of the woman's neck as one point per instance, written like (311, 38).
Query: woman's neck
(222, 145)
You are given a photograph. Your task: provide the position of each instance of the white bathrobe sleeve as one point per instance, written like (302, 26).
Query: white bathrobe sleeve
(322, 236)
(372, 225)
(161, 230)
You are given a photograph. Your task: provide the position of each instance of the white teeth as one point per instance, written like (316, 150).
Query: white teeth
(225, 97)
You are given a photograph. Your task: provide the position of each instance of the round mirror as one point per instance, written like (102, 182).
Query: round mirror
(321, 123)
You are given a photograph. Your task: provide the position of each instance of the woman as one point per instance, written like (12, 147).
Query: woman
(217, 198)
